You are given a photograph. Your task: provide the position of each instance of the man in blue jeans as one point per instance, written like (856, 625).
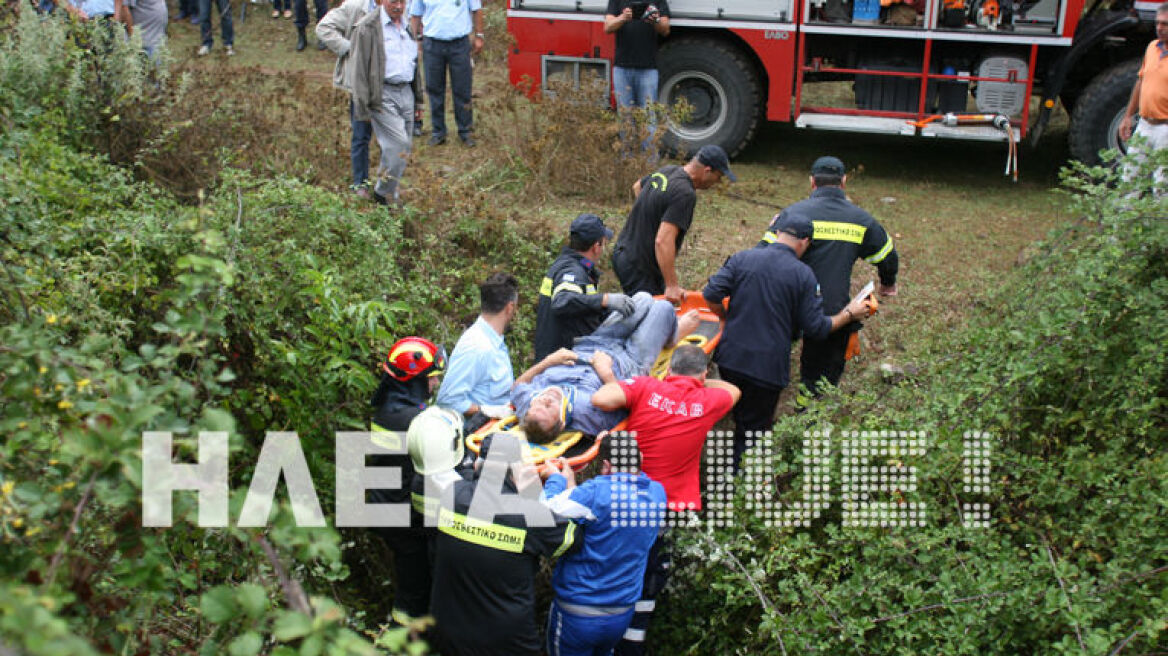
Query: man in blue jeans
(638, 25)
(225, 25)
(446, 27)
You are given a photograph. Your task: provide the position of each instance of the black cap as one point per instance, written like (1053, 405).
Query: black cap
(590, 228)
(715, 158)
(828, 165)
(798, 226)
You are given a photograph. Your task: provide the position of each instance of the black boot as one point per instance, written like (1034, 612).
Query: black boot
(301, 40)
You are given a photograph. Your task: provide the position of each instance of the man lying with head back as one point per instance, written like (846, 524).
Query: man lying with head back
(554, 395)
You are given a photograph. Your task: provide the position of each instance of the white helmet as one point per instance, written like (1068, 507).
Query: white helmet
(435, 440)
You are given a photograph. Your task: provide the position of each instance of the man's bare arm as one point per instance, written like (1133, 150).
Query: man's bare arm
(562, 356)
(609, 397)
(735, 393)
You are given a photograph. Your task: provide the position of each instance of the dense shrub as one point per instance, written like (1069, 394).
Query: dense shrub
(1064, 367)
(266, 306)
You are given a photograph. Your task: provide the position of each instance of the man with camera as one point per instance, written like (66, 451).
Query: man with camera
(638, 25)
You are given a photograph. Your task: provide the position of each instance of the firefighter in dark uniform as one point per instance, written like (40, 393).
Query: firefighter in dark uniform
(843, 234)
(772, 295)
(487, 555)
(569, 305)
(409, 377)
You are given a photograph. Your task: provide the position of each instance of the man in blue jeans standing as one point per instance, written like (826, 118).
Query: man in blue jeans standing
(225, 25)
(638, 25)
(446, 27)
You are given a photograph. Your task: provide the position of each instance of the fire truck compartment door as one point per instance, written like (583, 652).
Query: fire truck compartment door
(574, 6)
(762, 10)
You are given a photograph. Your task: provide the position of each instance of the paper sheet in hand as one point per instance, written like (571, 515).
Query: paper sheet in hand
(865, 292)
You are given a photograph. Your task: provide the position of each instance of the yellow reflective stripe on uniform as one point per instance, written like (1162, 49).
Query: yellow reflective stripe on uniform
(545, 287)
(836, 231)
(569, 538)
(770, 237)
(476, 531)
(567, 286)
(880, 254)
(664, 181)
(423, 504)
(388, 439)
(590, 289)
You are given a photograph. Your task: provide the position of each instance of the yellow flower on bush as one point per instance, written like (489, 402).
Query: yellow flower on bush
(64, 405)
(18, 522)
(83, 383)
(7, 488)
(51, 319)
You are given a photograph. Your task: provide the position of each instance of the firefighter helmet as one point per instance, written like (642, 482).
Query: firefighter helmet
(435, 440)
(410, 356)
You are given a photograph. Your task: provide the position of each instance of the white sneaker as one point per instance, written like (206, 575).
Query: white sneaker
(203, 51)
(230, 51)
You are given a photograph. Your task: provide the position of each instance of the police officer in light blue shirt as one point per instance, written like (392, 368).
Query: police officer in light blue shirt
(446, 27)
(479, 377)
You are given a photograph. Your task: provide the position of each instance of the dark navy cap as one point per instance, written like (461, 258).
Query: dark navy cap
(590, 228)
(798, 226)
(828, 165)
(715, 158)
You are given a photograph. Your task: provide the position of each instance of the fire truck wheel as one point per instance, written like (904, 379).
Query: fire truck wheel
(1099, 110)
(720, 87)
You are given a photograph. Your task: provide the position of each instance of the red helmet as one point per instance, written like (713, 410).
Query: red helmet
(410, 356)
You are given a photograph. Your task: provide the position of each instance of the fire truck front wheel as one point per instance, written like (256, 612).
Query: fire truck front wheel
(1099, 110)
(720, 90)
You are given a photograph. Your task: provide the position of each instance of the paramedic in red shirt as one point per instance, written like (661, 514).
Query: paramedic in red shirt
(670, 419)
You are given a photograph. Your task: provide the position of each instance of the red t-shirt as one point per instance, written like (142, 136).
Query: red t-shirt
(671, 418)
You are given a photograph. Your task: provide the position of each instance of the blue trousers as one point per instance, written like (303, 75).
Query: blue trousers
(225, 24)
(577, 635)
(437, 57)
(635, 88)
(300, 7)
(359, 146)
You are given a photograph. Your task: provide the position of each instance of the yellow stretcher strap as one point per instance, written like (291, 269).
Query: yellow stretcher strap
(661, 365)
(539, 453)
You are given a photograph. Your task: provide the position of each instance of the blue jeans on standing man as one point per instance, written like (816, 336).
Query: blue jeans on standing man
(359, 147)
(437, 56)
(225, 23)
(635, 88)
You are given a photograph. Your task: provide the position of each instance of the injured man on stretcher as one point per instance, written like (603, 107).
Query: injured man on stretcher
(556, 393)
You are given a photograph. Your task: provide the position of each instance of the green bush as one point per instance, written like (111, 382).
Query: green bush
(1064, 366)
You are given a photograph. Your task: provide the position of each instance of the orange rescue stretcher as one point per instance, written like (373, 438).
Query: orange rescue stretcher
(579, 449)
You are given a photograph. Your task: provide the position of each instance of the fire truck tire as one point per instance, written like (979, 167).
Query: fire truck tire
(1099, 110)
(721, 87)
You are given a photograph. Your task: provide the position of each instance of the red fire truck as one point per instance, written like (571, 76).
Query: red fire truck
(956, 69)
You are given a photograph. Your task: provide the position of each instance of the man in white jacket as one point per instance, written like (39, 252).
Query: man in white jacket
(377, 60)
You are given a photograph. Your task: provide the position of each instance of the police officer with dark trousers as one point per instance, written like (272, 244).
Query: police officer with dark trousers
(772, 294)
(452, 33)
(843, 234)
(569, 305)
